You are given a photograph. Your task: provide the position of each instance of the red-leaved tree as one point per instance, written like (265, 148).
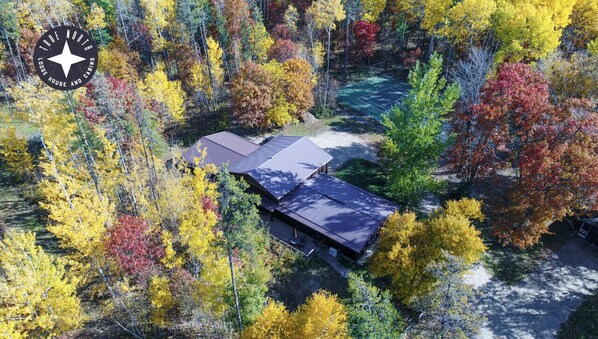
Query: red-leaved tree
(283, 50)
(135, 247)
(365, 38)
(540, 157)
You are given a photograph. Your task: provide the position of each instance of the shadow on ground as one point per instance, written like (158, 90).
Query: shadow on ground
(537, 306)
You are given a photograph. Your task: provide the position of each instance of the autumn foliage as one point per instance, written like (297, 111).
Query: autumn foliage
(365, 37)
(544, 149)
(273, 94)
(408, 245)
(136, 248)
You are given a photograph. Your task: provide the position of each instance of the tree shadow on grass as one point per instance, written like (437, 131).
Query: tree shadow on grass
(365, 174)
(294, 287)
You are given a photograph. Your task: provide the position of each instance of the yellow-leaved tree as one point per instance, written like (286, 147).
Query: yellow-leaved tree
(274, 322)
(321, 316)
(158, 16)
(15, 155)
(162, 302)
(584, 21)
(260, 42)
(36, 299)
(168, 94)
(215, 61)
(96, 19)
(407, 245)
(372, 9)
(468, 20)
(530, 29)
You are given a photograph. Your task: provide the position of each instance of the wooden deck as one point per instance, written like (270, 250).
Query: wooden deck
(290, 237)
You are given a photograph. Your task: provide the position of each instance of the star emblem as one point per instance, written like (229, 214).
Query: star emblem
(66, 59)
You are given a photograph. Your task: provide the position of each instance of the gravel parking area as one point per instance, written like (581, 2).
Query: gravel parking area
(344, 136)
(536, 307)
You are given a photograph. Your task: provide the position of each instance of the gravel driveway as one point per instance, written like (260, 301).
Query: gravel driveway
(349, 136)
(536, 307)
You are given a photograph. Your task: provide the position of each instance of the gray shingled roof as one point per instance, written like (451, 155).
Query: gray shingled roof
(282, 163)
(220, 148)
(342, 212)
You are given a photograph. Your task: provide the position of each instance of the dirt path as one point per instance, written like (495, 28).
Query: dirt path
(536, 307)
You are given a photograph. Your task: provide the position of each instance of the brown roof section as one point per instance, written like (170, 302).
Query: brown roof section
(220, 148)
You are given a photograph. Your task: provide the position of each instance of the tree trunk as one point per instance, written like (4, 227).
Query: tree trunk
(326, 86)
(232, 278)
(346, 46)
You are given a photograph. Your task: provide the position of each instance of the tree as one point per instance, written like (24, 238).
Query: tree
(215, 63)
(137, 248)
(273, 94)
(117, 60)
(407, 246)
(240, 225)
(584, 21)
(283, 50)
(575, 77)
(556, 176)
(322, 316)
(261, 42)
(471, 74)
(162, 302)
(372, 9)
(326, 13)
(516, 128)
(446, 311)
(252, 95)
(518, 97)
(15, 155)
(371, 312)
(299, 85)
(273, 322)
(529, 30)
(36, 299)
(158, 15)
(96, 20)
(413, 141)
(365, 35)
(467, 20)
(169, 94)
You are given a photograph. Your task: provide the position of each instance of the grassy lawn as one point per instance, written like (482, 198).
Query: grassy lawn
(365, 174)
(313, 129)
(583, 322)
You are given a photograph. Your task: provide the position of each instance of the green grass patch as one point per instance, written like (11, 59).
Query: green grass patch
(365, 174)
(583, 322)
(312, 129)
